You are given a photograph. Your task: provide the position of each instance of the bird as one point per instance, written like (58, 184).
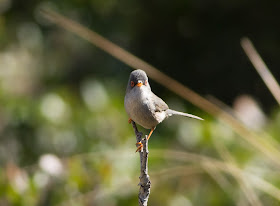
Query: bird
(144, 107)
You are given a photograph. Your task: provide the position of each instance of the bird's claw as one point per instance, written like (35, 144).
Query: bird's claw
(140, 146)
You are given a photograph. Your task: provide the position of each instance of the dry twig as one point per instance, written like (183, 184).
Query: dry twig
(145, 183)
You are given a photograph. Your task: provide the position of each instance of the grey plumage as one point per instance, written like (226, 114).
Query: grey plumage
(143, 106)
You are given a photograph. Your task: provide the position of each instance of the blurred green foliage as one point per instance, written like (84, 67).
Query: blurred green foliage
(64, 136)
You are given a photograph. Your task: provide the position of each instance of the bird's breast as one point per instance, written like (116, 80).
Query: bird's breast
(140, 109)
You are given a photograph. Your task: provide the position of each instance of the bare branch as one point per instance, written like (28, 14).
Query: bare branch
(145, 183)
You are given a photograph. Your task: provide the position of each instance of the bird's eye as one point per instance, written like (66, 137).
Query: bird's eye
(132, 83)
(146, 82)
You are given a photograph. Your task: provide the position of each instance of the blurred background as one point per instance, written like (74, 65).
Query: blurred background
(64, 136)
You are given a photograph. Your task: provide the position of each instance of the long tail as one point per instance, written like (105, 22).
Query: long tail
(171, 112)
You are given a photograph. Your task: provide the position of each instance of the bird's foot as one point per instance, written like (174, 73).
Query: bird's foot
(140, 146)
(129, 121)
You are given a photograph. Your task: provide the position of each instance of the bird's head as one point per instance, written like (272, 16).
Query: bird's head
(137, 79)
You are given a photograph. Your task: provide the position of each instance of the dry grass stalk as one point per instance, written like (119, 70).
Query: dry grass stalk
(261, 68)
(265, 147)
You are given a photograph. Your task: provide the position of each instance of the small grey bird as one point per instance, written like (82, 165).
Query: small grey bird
(143, 106)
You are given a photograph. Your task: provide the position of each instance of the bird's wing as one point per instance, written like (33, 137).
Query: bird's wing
(159, 104)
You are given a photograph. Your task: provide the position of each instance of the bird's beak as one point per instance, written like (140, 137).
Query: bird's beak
(139, 84)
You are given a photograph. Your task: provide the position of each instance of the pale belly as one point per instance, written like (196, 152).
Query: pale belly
(141, 112)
